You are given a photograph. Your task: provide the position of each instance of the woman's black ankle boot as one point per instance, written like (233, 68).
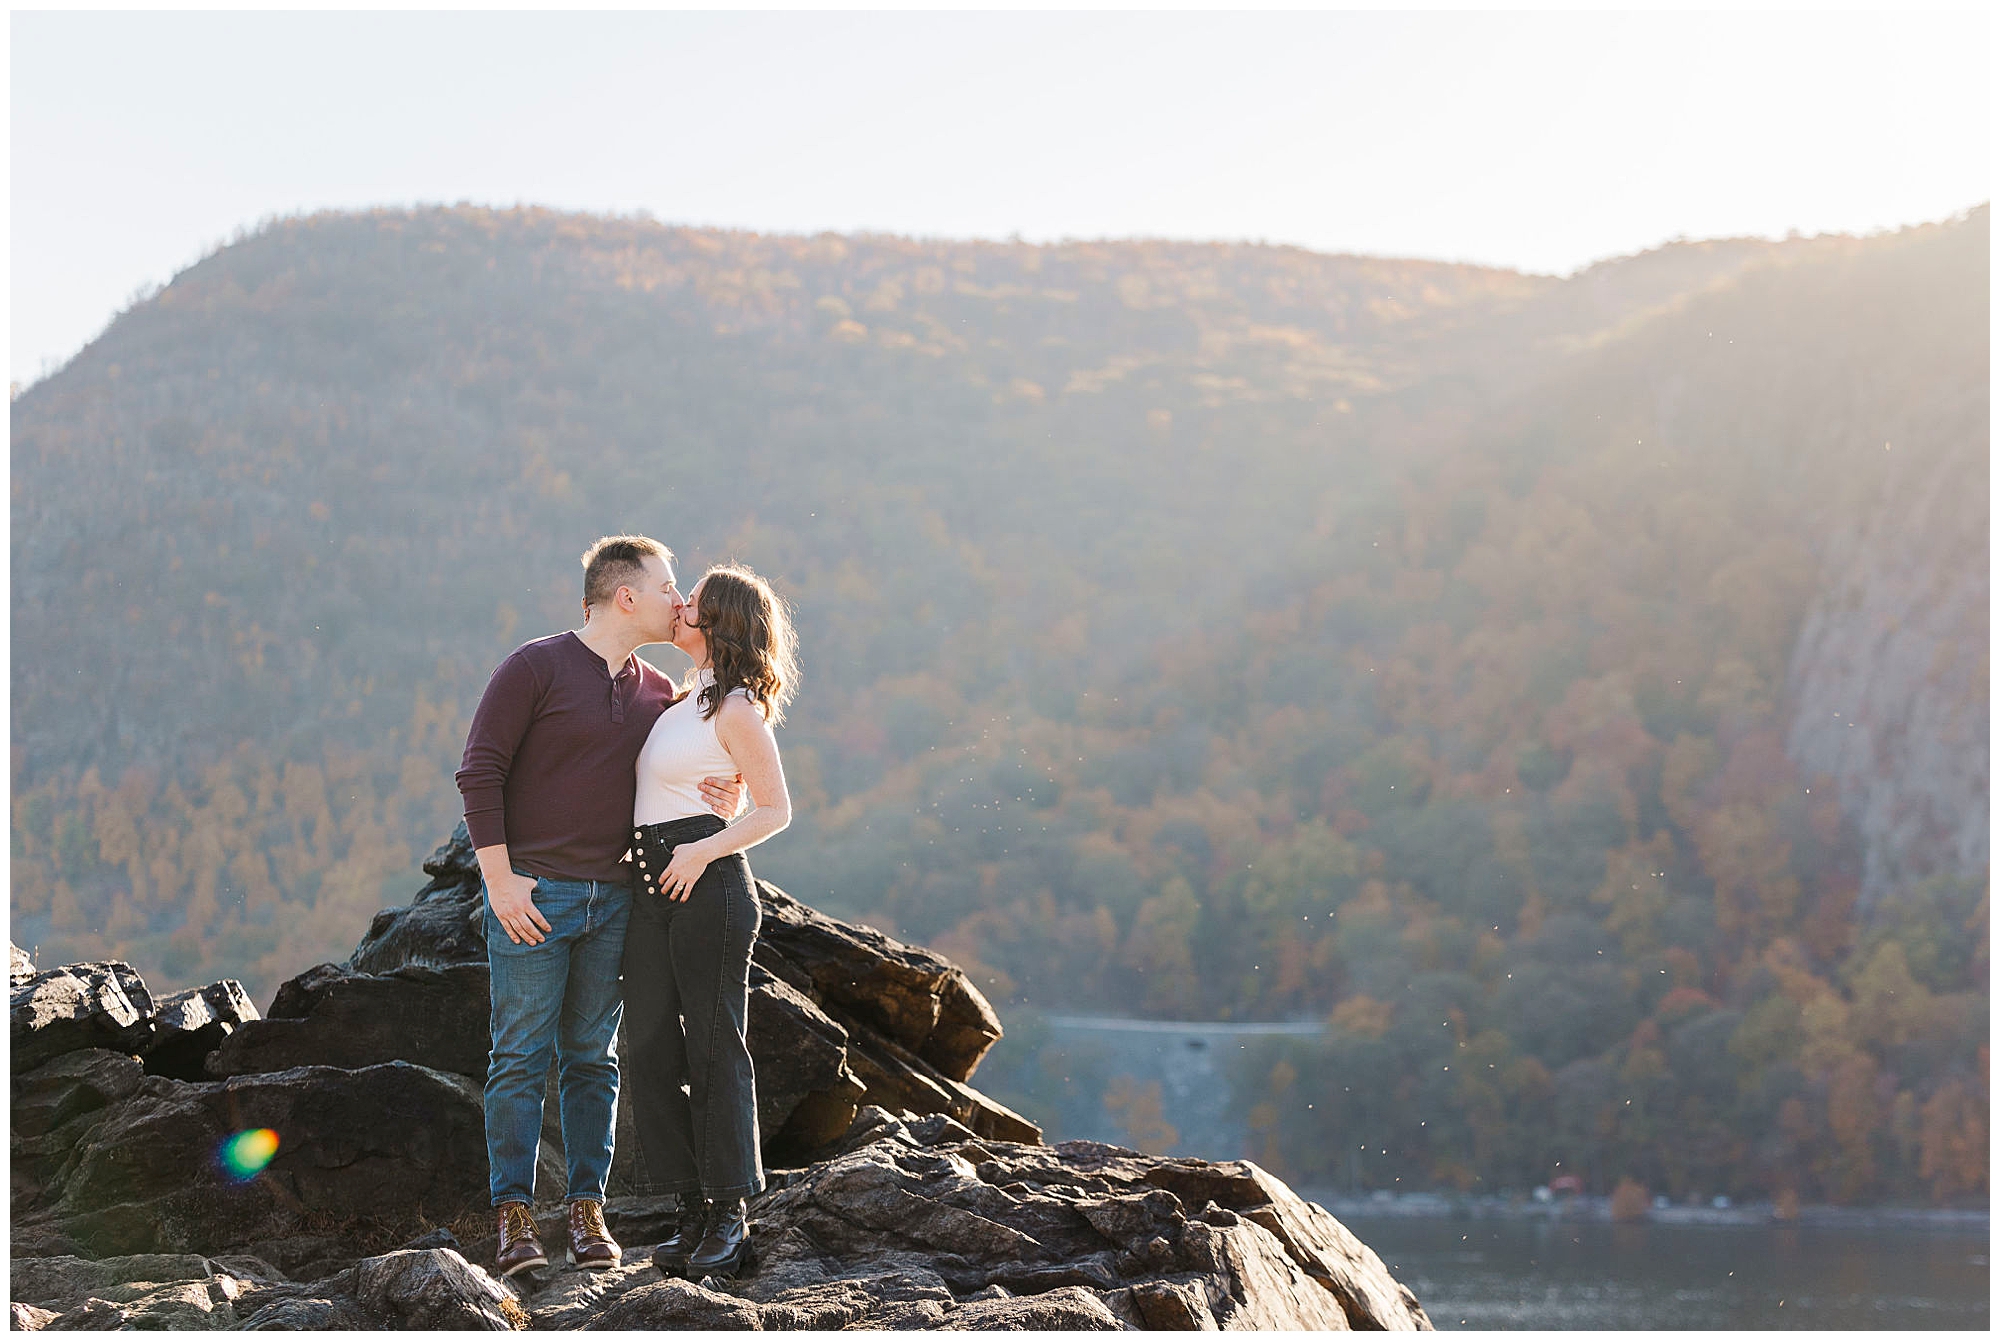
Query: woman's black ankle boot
(725, 1250)
(671, 1257)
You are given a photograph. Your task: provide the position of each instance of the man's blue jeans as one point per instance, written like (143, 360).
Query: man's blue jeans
(558, 999)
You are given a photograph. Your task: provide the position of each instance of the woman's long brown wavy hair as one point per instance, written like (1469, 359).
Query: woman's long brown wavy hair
(751, 644)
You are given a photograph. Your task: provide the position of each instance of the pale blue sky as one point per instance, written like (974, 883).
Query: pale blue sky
(1542, 141)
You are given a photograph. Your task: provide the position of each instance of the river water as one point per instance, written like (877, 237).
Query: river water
(1504, 1273)
(1509, 1275)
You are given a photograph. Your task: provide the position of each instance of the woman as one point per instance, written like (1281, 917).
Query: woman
(695, 918)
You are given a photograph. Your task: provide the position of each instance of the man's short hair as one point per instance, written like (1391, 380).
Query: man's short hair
(618, 561)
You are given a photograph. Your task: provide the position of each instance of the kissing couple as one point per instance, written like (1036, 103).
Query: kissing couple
(603, 802)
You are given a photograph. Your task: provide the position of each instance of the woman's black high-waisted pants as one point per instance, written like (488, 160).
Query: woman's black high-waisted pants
(687, 998)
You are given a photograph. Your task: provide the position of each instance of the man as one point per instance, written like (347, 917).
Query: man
(548, 780)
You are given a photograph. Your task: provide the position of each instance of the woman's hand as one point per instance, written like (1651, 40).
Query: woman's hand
(688, 862)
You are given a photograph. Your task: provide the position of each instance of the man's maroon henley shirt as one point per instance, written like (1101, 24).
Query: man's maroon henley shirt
(551, 761)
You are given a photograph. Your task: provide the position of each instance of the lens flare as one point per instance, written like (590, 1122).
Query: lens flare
(244, 1155)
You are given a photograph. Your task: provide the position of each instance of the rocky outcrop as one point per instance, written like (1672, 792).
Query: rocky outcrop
(900, 1197)
(920, 1224)
(1151, 1242)
(442, 924)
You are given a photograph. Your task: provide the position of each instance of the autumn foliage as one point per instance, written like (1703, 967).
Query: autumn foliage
(1197, 631)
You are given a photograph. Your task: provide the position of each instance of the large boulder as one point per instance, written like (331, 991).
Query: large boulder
(443, 924)
(922, 1003)
(101, 1005)
(807, 1094)
(417, 1289)
(107, 1005)
(187, 1026)
(439, 1018)
(1149, 1237)
(56, 1108)
(365, 1158)
(328, 1016)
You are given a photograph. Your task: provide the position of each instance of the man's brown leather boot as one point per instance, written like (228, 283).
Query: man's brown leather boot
(590, 1243)
(520, 1248)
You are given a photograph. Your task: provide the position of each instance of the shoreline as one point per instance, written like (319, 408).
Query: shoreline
(1597, 1210)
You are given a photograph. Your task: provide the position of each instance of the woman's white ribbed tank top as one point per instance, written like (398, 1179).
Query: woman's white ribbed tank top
(681, 750)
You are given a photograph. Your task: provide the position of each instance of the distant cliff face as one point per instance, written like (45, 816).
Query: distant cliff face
(1889, 675)
(1887, 683)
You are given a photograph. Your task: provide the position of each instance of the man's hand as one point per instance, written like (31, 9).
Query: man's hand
(724, 795)
(513, 902)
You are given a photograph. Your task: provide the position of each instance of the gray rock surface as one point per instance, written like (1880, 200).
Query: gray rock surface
(675, 1305)
(328, 1016)
(28, 1318)
(61, 1283)
(916, 1223)
(922, 1224)
(427, 1290)
(56, 1110)
(911, 997)
(800, 1285)
(102, 1005)
(432, 1289)
(1887, 684)
(146, 1292)
(1888, 677)
(367, 1158)
(93, 1315)
(189, 1025)
(20, 967)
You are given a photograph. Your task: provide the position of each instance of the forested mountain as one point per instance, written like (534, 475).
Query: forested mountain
(1575, 689)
